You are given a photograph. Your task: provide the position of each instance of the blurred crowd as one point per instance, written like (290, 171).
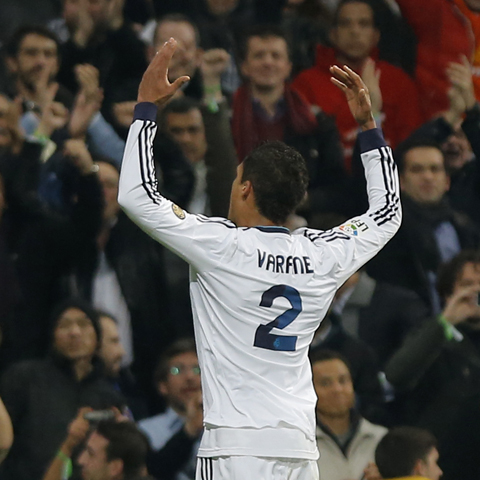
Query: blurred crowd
(99, 377)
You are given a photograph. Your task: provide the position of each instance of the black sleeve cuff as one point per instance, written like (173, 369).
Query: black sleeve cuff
(145, 111)
(371, 139)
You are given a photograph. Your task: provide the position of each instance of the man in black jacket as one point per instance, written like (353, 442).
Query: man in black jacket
(432, 232)
(438, 366)
(43, 396)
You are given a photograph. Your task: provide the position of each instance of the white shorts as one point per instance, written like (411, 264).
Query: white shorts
(256, 468)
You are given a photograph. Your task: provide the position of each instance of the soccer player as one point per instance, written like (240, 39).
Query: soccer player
(259, 291)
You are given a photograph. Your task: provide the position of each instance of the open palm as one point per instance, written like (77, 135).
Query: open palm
(155, 86)
(356, 94)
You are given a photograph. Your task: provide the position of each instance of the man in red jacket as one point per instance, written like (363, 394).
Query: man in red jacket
(394, 95)
(444, 35)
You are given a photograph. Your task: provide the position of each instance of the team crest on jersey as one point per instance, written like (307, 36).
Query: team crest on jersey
(354, 228)
(178, 211)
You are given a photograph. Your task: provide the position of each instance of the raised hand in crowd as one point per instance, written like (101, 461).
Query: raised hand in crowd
(76, 434)
(214, 62)
(194, 416)
(84, 26)
(462, 305)
(10, 113)
(54, 114)
(87, 102)
(43, 86)
(115, 14)
(371, 78)
(76, 150)
(461, 93)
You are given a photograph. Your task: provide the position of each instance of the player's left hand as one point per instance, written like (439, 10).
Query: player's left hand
(356, 93)
(155, 86)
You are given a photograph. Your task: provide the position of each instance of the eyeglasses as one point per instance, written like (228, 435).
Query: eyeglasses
(179, 369)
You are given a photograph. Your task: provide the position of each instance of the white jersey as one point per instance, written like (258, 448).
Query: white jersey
(258, 295)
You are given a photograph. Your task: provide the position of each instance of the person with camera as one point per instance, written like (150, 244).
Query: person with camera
(438, 366)
(109, 447)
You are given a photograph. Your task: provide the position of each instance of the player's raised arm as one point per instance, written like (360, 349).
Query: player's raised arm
(138, 190)
(360, 238)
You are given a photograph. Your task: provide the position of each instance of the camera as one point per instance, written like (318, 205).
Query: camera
(99, 415)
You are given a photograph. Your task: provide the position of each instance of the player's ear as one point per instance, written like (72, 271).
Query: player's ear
(247, 189)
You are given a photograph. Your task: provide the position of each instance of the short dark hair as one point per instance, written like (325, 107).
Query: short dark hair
(179, 105)
(450, 271)
(336, 15)
(178, 18)
(183, 345)
(400, 449)
(263, 31)
(279, 177)
(127, 443)
(13, 44)
(409, 144)
(325, 355)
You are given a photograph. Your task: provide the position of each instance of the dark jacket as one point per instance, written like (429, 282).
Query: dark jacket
(464, 193)
(44, 245)
(42, 398)
(412, 253)
(433, 376)
(381, 314)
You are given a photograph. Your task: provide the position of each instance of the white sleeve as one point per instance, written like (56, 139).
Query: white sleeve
(199, 240)
(355, 242)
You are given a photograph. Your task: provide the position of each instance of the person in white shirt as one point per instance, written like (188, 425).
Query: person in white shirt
(259, 291)
(346, 440)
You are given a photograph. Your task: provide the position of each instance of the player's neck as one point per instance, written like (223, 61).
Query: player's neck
(255, 219)
(339, 425)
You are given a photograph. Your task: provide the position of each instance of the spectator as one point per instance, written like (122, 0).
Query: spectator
(175, 434)
(363, 363)
(114, 451)
(112, 353)
(355, 37)
(101, 37)
(408, 452)
(436, 369)
(458, 131)
(33, 61)
(123, 273)
(43, 243)
(346, 441)
(266, 108)
(432, 232)
(439, 43)
(43, 396)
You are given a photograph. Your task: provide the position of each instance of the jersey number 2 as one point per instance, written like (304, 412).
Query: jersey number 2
(270, 341)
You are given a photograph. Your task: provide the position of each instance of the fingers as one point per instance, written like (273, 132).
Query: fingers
(339, 84)
(179, 82)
